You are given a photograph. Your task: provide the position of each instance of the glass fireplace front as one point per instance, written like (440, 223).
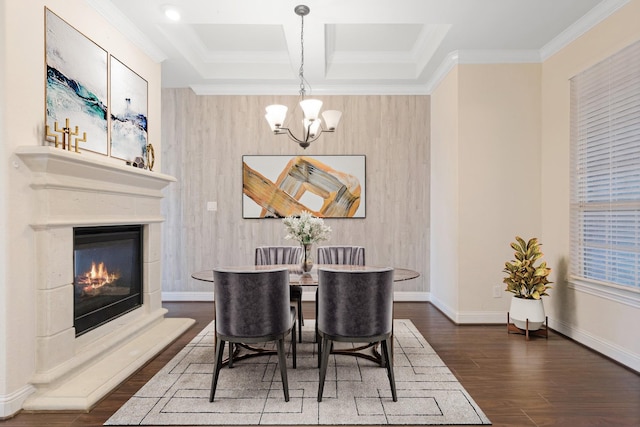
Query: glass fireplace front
(107, 264)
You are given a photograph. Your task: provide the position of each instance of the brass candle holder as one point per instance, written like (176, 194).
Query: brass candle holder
(65, 133)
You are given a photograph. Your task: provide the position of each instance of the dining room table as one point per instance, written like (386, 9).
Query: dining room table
(299, 277)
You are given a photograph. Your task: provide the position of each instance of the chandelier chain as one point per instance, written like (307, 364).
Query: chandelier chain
(301, 71)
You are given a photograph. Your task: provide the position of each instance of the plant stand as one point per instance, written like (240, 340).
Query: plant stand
(542, 332)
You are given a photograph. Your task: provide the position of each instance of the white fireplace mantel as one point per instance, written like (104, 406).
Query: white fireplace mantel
(68, 190)
(63, 168)
(103, 181)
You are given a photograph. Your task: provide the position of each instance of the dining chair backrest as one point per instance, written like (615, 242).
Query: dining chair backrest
(355, 303)
(352, 255)
(355, 306)
(252, 303)
(271, 255)
(252, 306)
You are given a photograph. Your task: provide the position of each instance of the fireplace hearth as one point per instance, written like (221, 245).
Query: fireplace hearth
(107, 274)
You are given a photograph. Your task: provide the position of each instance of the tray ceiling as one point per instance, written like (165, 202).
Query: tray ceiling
(351, 46)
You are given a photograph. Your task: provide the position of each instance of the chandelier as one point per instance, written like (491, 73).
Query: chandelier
(312, 126)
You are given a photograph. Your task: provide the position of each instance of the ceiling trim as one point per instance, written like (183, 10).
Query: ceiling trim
(292, 89)
(450, 61)
(504, 56)
(123, 24)
(589, 20)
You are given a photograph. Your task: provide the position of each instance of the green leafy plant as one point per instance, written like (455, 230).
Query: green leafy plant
(524, 279)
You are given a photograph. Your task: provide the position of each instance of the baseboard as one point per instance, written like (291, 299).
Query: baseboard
(10, 404)
(187, 296)
(482, 317)
(445, 309)
(608, 349)
(306, 296)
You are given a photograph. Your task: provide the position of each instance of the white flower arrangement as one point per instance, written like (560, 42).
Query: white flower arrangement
(306, 228)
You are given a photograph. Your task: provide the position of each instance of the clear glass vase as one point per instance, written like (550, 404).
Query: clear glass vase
(306, 259)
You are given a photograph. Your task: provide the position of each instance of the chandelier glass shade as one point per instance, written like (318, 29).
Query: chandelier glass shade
(312, 126)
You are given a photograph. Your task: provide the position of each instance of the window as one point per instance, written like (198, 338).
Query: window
(605, 174)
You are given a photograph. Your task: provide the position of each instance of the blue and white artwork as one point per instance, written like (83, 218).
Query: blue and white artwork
(76, 84)
(128, 113)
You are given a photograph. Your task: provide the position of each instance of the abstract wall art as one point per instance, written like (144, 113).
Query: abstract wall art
(326, 186)
(76, 82)
(128, 113)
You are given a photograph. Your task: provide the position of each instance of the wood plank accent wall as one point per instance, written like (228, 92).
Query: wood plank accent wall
(205, 137)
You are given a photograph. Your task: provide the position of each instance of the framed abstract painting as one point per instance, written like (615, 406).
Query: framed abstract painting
(76, 83)
(128, 113)
(326, 186)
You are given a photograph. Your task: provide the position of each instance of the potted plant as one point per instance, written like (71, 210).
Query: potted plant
(528, 282)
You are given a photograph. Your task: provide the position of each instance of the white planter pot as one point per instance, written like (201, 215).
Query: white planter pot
(527, 309)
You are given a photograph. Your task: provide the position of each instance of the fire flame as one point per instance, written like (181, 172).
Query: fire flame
(97, 277)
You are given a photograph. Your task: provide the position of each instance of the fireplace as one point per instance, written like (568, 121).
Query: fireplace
(78, 201)
(107, 264)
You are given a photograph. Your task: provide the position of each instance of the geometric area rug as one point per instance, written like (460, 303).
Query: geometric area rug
(356, 390)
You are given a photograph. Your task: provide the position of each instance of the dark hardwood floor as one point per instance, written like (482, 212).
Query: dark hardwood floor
(542, 382)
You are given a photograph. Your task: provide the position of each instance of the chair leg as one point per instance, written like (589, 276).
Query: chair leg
(317, 336)
(216, 367)
(300, 319)
(323, 366)
(293, 343)
(386, 350)
(282, 361)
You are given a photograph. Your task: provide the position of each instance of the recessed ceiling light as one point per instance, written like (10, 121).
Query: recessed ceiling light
(171, 12)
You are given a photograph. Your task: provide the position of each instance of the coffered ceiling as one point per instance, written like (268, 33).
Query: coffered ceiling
(351, 46)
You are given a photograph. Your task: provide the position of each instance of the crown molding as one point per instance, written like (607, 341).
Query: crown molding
(118, 20)
(292, 89)
(592, 18)
(450, 61)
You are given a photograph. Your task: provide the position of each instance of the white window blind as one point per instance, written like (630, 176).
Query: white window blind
(605, 175)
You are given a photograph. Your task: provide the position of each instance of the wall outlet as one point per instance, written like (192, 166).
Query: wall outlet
(212, 206)
(497, 291)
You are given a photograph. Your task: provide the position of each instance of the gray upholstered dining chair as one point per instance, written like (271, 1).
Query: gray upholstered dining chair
(273, 255)
(355, 306)
(253, 307)
(353, 255)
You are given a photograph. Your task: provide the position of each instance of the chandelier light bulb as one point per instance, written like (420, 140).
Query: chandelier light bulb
(331, 118)
(311, 108)
(276, 114)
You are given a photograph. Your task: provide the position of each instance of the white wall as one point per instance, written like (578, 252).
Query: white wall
(597, 321)
(485, 183)
(22, 109)
(444, 237)
(4, 203)
(499, 184)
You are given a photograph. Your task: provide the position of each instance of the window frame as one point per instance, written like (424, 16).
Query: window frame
(600, 97)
